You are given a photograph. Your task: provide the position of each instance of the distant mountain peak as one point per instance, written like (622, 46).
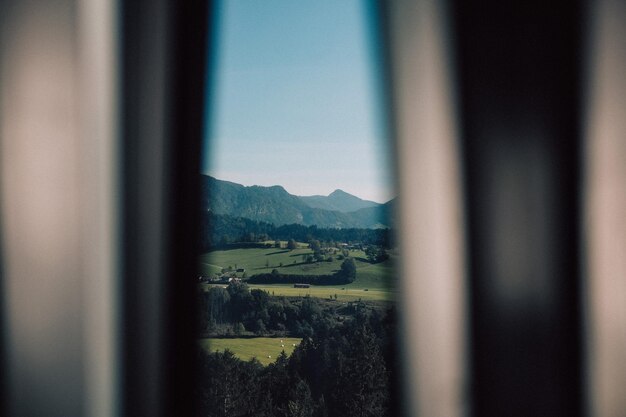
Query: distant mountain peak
(269, 187)
(339, 192)
(338, 200)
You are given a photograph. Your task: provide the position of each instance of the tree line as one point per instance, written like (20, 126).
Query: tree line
(237, 311)
(219, 230)
(345, 275)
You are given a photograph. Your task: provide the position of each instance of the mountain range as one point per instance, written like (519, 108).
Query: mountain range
(338, 200)
(277, 206)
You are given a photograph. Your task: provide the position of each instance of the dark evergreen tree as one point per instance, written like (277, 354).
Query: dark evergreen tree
(300, 403)
(227, 385)
(348, 270)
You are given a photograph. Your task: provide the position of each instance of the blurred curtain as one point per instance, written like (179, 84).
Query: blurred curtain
(508, 119)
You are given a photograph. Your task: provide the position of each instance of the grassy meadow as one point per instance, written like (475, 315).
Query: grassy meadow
(344, 293)
(372, 280)
(248, 348)
(262, 260)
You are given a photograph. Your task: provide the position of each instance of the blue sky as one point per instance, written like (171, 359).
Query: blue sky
(295, 99)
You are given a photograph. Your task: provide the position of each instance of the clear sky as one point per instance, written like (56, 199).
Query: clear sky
(295, 99)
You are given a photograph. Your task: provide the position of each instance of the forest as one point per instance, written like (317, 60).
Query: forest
(220, 231)
(237, 310)
(343, 367)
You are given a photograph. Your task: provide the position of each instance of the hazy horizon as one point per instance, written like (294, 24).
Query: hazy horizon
(296, 101)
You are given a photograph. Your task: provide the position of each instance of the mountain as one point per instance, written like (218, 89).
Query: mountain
(276, 206)
(338, 200)
(383, 213)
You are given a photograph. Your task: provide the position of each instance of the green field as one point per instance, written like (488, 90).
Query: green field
(259, 347)
(376, 278)
(258, 261)
(262, 260)
(345, 293)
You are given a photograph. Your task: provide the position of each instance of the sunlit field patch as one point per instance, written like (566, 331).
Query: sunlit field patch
(265, 349)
